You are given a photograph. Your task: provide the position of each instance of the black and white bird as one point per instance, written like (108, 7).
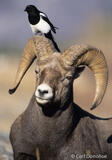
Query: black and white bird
(40, 24)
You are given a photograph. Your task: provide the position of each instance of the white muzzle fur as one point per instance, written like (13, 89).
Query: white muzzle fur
(43, 93)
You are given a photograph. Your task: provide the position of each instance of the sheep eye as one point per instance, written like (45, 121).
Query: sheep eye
(69, 77)
(37, 72)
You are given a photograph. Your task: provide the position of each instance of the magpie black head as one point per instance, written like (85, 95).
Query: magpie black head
(31, 9)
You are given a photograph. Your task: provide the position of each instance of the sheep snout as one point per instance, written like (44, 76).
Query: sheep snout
(43, 93)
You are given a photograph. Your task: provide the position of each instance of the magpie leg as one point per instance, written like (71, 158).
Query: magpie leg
(38, 33)
(50, 36)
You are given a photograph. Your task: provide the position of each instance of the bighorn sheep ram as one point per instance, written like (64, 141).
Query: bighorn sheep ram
(60, 129)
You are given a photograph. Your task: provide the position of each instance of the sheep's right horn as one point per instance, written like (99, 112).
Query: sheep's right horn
(37, 47)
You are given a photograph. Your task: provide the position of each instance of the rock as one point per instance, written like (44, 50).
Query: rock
(5, 147)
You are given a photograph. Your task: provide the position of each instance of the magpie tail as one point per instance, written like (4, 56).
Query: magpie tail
(50, 36)
(55, 45)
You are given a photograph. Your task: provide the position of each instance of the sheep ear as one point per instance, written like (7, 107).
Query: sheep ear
(78, 71)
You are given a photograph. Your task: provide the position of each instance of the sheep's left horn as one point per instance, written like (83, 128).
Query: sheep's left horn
(95, 60)
(37, 47)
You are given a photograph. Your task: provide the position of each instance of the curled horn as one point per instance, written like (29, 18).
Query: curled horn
(93, 58)
(37, 47)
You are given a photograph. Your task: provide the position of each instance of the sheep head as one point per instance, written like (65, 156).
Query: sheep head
(56, 72)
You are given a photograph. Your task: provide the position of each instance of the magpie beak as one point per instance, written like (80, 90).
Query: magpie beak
(25, 10)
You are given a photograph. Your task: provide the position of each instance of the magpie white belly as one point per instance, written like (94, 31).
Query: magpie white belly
(42, 26)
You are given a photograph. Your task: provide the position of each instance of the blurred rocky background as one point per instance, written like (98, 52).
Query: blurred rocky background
(79, 22)
(5, 148)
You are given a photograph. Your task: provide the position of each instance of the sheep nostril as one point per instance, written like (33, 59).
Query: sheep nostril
(39, 90)
(45, 91)
(42, 92)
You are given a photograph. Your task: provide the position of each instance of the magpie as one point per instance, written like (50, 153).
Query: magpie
(40, 24)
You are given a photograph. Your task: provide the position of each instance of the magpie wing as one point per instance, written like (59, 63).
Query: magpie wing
(45, 18)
